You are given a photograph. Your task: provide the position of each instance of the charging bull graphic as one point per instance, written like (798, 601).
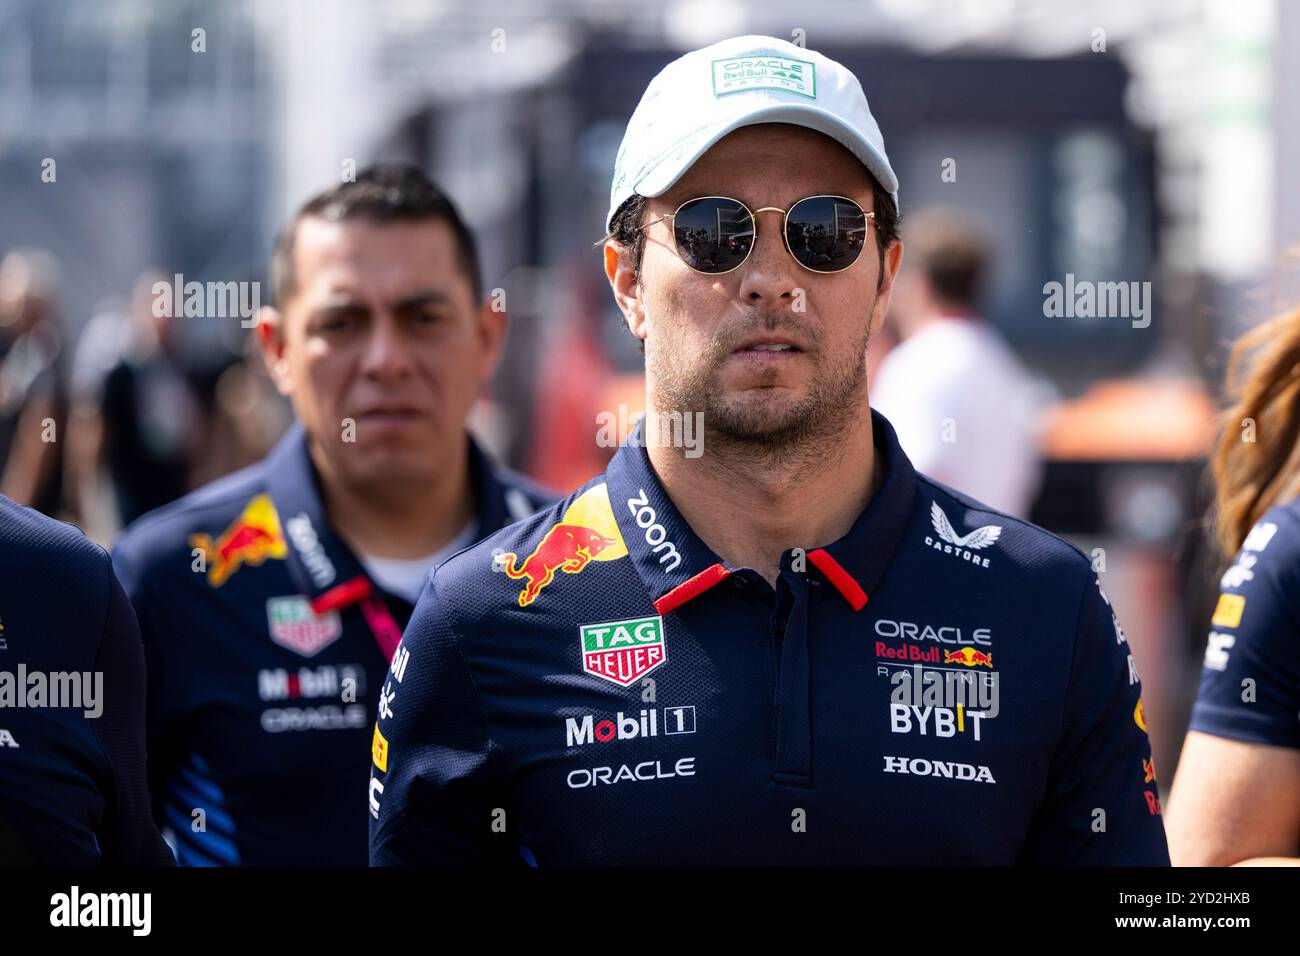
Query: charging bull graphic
(251, 538)
(968, 656)
(586, 532)
(566, 547)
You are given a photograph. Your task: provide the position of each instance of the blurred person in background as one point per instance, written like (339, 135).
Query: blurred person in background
(249, 413)
(141, 420)
(1236, 795)
(271, 601)
(86, 492)
(33, 396)
(963, 405)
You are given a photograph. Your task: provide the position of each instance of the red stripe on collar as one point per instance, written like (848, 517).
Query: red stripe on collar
(692, 587)
(341, 595)
(842, 580)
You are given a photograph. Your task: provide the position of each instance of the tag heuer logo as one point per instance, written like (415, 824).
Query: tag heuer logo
(623, 651)
(296, 626)
(764, 72)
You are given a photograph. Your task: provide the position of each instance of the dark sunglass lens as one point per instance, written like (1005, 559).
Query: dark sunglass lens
(826, 233)
(713, 235)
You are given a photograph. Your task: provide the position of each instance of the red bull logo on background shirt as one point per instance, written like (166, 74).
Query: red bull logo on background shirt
(251, 538)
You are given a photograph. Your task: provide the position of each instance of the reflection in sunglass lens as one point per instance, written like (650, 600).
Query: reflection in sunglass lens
(826, 233)
(713, 235)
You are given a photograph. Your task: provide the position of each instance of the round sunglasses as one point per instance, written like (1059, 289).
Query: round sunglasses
(714, 234)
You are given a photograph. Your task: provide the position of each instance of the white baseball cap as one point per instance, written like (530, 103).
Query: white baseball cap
(701, 97)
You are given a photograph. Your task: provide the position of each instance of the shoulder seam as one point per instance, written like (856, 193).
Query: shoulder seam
(979, 505)
(454, 626)
(183, 506)
(1074, 651)
(113, 798)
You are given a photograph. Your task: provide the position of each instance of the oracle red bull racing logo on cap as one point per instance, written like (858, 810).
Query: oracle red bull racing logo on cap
(623, 651)
(251, 538)
(766, 71)
(586, 532)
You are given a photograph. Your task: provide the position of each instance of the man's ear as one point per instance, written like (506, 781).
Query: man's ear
(270, 339)
(621, 272)
(893, 259)
(492, 323)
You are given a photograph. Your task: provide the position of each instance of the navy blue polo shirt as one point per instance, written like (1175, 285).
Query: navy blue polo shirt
(268, 647)
(945, 684)
(72, 735)
(1250, 682)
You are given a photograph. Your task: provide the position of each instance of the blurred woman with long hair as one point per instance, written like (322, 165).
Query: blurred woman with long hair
(1236, 796)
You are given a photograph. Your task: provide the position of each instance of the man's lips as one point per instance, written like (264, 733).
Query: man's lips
(768, 348)
(391, 415)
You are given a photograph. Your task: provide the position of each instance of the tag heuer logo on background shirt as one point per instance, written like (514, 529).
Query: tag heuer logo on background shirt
(764, 72)
(296, 626)
(623, 651)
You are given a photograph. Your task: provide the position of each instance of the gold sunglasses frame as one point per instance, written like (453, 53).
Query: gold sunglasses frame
(753, 217)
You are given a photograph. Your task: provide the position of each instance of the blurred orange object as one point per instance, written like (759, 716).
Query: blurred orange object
(1133, 420)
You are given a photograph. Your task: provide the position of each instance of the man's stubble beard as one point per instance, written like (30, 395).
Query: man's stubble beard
(762, 425)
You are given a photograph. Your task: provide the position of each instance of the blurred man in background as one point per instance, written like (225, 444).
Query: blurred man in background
(33, 403)
(962, 403)
(272, 601)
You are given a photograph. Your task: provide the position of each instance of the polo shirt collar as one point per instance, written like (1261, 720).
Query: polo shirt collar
(320, 562)
(676, 566)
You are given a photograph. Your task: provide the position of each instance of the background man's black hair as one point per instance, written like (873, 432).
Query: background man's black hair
(383, 193)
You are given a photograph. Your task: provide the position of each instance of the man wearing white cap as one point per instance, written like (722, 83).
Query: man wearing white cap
(791, 648)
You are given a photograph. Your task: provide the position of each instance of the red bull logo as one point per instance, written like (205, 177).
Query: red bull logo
(1148, 770)
(586, 532)
(908, 652)
(1139, 716)
(251, 538)
(969, 657)
(566, 547)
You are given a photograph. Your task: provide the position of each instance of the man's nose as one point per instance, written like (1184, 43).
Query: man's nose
(770, 274)
(387, 353)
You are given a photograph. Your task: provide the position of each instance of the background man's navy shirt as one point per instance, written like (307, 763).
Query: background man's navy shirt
(264, 637)
(593, 685)
(72, 787)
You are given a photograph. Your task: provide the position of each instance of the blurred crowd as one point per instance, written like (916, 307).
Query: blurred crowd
(106, 425)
